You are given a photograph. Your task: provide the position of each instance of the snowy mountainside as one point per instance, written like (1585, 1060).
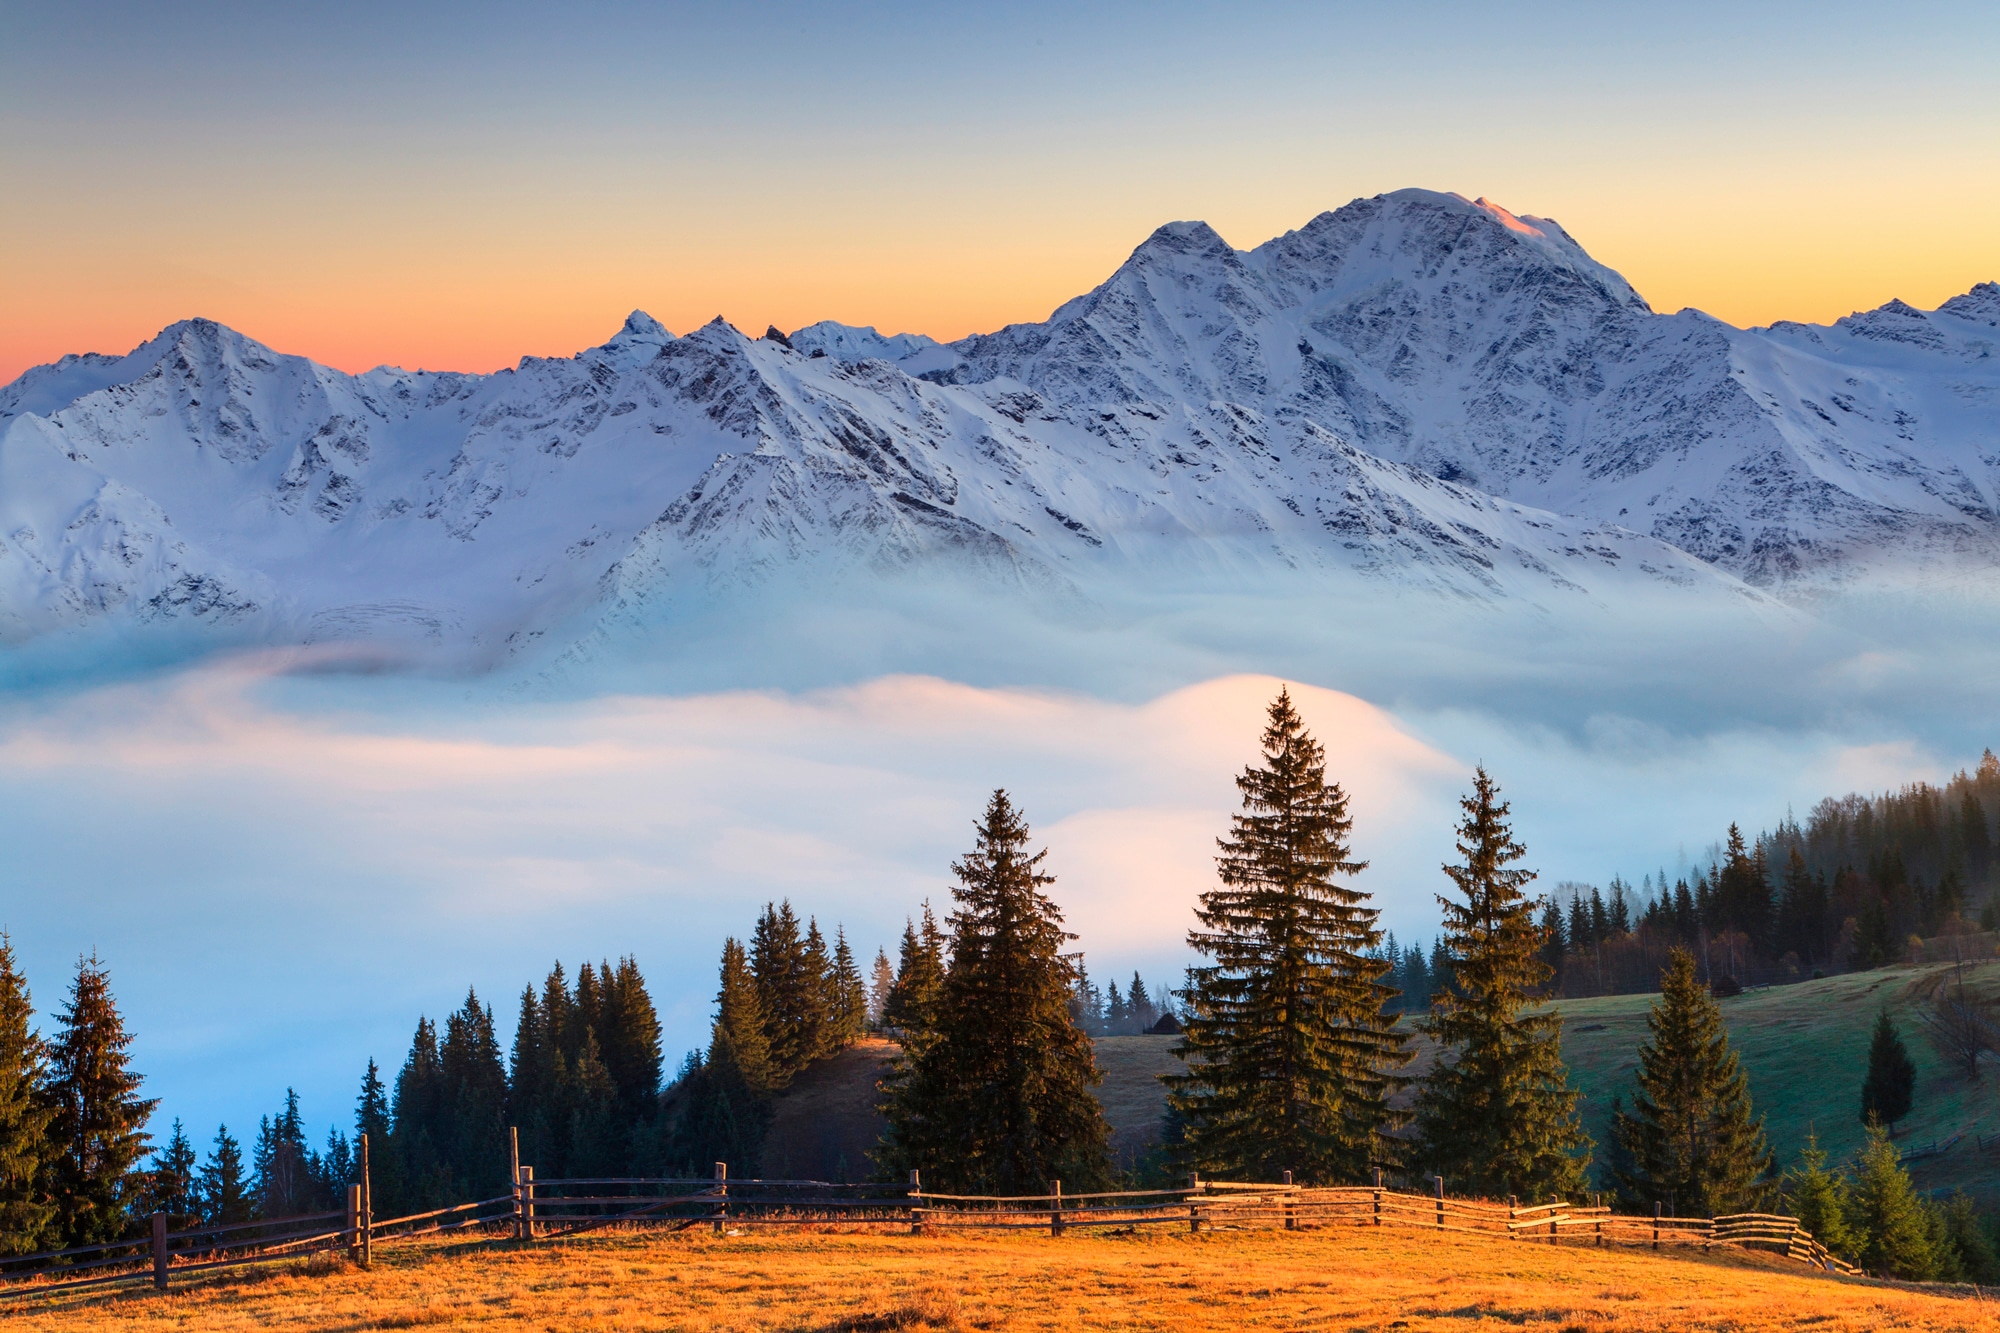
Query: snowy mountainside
(1418, 391)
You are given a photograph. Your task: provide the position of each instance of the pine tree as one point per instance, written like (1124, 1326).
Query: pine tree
(1891, 1084)
(1553, 943)
(1819, 1198)
(993, 1093)
(597, 1142)
(1139, 1006)
(791, 986)
(850, 996)
(1117, 1014)
(881, 980)
(474, 1137)
(630, 1037)
(725, 1111)
(1692, 1141)
(1290, 1051)
(1743, 893)
(225, 1195)
(282, 1175)
(1892, 1234)
(99, 1127)
(170, 1182)
(1496, 1114)
(26, 1150)
(1086, 1002)
(919, 976)
(371, 1120)
(416, 1141)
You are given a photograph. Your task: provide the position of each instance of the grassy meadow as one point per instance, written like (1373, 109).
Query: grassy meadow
(1347, 1278)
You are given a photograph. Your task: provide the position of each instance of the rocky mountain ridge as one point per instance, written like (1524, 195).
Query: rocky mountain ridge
(1417, 391)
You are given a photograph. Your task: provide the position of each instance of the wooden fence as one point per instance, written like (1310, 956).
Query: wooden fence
(534, 1210)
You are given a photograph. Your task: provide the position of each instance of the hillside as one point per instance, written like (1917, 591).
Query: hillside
(1804, 1048)
(1349, 1278)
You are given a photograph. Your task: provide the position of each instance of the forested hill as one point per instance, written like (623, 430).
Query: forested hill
(1847, 889)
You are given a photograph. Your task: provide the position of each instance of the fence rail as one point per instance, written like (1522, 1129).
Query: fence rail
(533, 1210)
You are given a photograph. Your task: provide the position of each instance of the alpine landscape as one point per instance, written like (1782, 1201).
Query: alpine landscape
(1406, 776)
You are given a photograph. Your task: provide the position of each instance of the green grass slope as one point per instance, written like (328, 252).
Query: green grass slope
(1805, 1050)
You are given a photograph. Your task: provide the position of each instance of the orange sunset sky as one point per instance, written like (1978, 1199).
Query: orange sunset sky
(456, 187)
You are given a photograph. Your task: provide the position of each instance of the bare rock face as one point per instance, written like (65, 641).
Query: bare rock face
(1417, 391)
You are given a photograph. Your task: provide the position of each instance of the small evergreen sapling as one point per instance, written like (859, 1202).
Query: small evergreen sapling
(1819, 1199)
(1692, 1141)
(1894, 1234)
(1891, 1084)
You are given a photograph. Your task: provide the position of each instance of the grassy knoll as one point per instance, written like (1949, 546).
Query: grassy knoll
(1336, 1279)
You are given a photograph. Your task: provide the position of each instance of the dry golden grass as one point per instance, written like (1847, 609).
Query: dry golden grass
(1335, 1279)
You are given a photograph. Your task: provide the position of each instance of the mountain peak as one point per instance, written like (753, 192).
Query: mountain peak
(1981, 304)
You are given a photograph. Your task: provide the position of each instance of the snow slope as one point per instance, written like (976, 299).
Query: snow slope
(1415, 391)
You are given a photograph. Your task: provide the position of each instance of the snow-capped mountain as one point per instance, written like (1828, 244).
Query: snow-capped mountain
(1415, 390)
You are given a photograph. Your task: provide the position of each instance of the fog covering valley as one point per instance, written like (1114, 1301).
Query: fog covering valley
(327, 696)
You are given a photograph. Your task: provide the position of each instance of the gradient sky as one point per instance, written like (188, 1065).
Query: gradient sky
(453, 186)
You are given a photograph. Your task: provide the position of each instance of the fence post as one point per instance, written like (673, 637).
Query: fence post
(367, 1209)
(160, 1251)
(1378, 1196)
(1194, 1209)
(1055, 1211)
(1554, 1212)
(722, 1193)
(354, 1222)
(1656, 1224)
(1440, 1198)
(528, 1200)
(1597, 1202)
(1513, 1209)
(514, 1176)
(1291, 1220)
(916, 1197)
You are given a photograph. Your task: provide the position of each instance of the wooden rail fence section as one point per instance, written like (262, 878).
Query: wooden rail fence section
(539, 1209)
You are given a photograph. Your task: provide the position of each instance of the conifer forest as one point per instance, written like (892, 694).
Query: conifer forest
(1294, 1034)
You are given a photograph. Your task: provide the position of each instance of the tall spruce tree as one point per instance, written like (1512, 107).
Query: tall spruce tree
(631, 1042)
(416, 1143)
(99, 1126)
(225, 1194)
(919, 975)
(282, 1175)
(26, 1149)
(993, 1093)
(1891, 1084)
(849, 995)
(791, 986)
(1290, 1051)
(1496, 1114)
(724, 1113)
(1692, 1142)
(474, 1101)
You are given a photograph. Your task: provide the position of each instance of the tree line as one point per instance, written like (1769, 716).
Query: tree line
(1849, 889)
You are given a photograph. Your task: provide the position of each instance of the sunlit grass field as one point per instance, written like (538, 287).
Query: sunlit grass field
(1348, 1278)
